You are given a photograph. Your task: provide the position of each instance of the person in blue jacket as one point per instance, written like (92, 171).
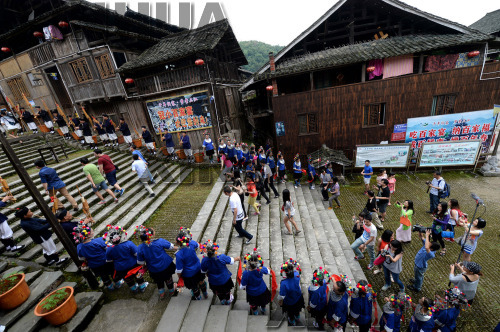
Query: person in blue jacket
(238, 154)
(422, 320)
(188, 265)
(281, 167)
(51, 182)
(215, 267)
(93, 254)
(170, 145)
(261, 155)
(338, 307)
(107, 124)
(245, 154)
(290, 296)
(271, 162)
(6, 234)
(209, 148)
(297, 170)
(101, 131)
(230, 151)
(449, 308)
(222, 148)
(186, 146)
(148, 140)
(317, 306)
(311, 174)
(161, 267)
(258, 295)
(392, 311)
(360, 310)
(39, 231)
(127, 135)
(123, 254)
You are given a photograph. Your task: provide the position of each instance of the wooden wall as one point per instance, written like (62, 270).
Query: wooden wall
(339, 109)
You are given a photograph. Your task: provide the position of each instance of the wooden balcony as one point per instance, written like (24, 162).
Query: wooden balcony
(41, 54)
(96, 90)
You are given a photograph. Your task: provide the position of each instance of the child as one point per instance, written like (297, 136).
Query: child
(297, 170)
(258, 295)
(338, 306)
(357, 229)
(93, 254)
(160, 265)
(311, 174)
(219, 277)
(208, 146)
(448, 309)
(392, 184)
(289, 213)
(123, 255)
(422, 320)
(290, 296)
(5, 230)
(393, 310)
(188, 265)
(362, 299)
(382, 174)
(148, 140)
(382, 242)
(38, 230)
(281, 167)
(317, 297)
(251, 191)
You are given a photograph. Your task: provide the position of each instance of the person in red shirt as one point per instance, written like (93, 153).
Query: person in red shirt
(251, 191)
(108, 169)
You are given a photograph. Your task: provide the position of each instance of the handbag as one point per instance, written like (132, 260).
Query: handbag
(405, 221)
(379, 260)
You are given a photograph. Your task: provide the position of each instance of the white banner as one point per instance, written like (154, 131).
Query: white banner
(451, 153)
(383, 155)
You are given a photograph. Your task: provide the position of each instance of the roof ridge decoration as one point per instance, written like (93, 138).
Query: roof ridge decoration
(395, 3)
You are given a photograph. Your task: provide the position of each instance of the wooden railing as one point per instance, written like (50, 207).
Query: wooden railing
(41, 54)
(96, 89)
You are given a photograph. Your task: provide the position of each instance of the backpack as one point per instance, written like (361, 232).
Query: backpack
(446, 190)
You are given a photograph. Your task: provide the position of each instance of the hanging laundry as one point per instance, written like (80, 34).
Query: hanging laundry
(379, 68)
(397, 66)
(465, 61)
(440, 62)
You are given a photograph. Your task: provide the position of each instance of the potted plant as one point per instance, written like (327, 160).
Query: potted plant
(13, 291)
(58, 307)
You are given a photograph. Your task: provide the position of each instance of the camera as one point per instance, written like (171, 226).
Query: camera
(384, 252)
(420, 228)
(428, 182)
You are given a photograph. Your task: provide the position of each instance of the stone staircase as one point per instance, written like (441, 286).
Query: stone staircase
(321, 243)
(134, 207)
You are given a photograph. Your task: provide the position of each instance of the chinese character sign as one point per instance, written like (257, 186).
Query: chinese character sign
(477, 125)
(186, 112)
(383, 155)
(455, 153)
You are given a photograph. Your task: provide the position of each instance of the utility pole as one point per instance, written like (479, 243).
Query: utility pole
(45, 209)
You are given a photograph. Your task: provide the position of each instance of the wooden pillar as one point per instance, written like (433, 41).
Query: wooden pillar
(421, 64)
(363, 72)
(311, 80)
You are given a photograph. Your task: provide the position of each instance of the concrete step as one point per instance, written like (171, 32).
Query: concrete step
(173, 316)
(30, 277)
(3, 266)
(40, 287)
(196, 315)
(256, 323)
(217, 318)
(215, 220)
(13, 270)
(237, 321)
(206, 212)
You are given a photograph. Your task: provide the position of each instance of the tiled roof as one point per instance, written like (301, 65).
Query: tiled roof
(183, 44)
(376, 49)
(152, 21)
(113, 30)
(490, 23)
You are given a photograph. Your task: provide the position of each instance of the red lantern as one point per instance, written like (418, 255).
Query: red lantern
(38, 34)
(370, 69)
(63, 24)
(269, 88)
(473, 54)
(199, 62)
(129, 80)
(6, 50)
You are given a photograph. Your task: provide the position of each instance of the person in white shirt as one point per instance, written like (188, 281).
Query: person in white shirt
(367, 240)
(238, 214)
(139, 167)
(436, 185)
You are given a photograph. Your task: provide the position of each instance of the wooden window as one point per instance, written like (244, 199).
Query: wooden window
(308, 124)
(105, 66)
(81, 70)
(17, 86)
(373, 115)
(443, 104)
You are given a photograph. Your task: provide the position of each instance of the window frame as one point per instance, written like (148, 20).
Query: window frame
(105, 66)
(308, 120)
(435, 103)
(384, 104)
(17, 88)
(80, 64)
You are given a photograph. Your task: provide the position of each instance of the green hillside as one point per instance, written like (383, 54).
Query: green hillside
(257, 53)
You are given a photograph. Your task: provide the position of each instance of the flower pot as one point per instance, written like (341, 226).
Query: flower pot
(62, 313)
(75, 136)
(137, 142)
(15, 296)
(121, 140)
(199, 157)
(59, 132)
(181, 154)
(44, 129)
(95, 139)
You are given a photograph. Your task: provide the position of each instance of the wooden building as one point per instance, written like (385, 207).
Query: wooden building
(80, 66)
(365, 66)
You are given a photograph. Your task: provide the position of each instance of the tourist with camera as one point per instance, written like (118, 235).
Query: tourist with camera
(436, 185)
(393, 264)
(441, 218)
(428, 251)
(371, 207)
(468, 280)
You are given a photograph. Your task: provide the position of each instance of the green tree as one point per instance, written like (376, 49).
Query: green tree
(257, 53)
